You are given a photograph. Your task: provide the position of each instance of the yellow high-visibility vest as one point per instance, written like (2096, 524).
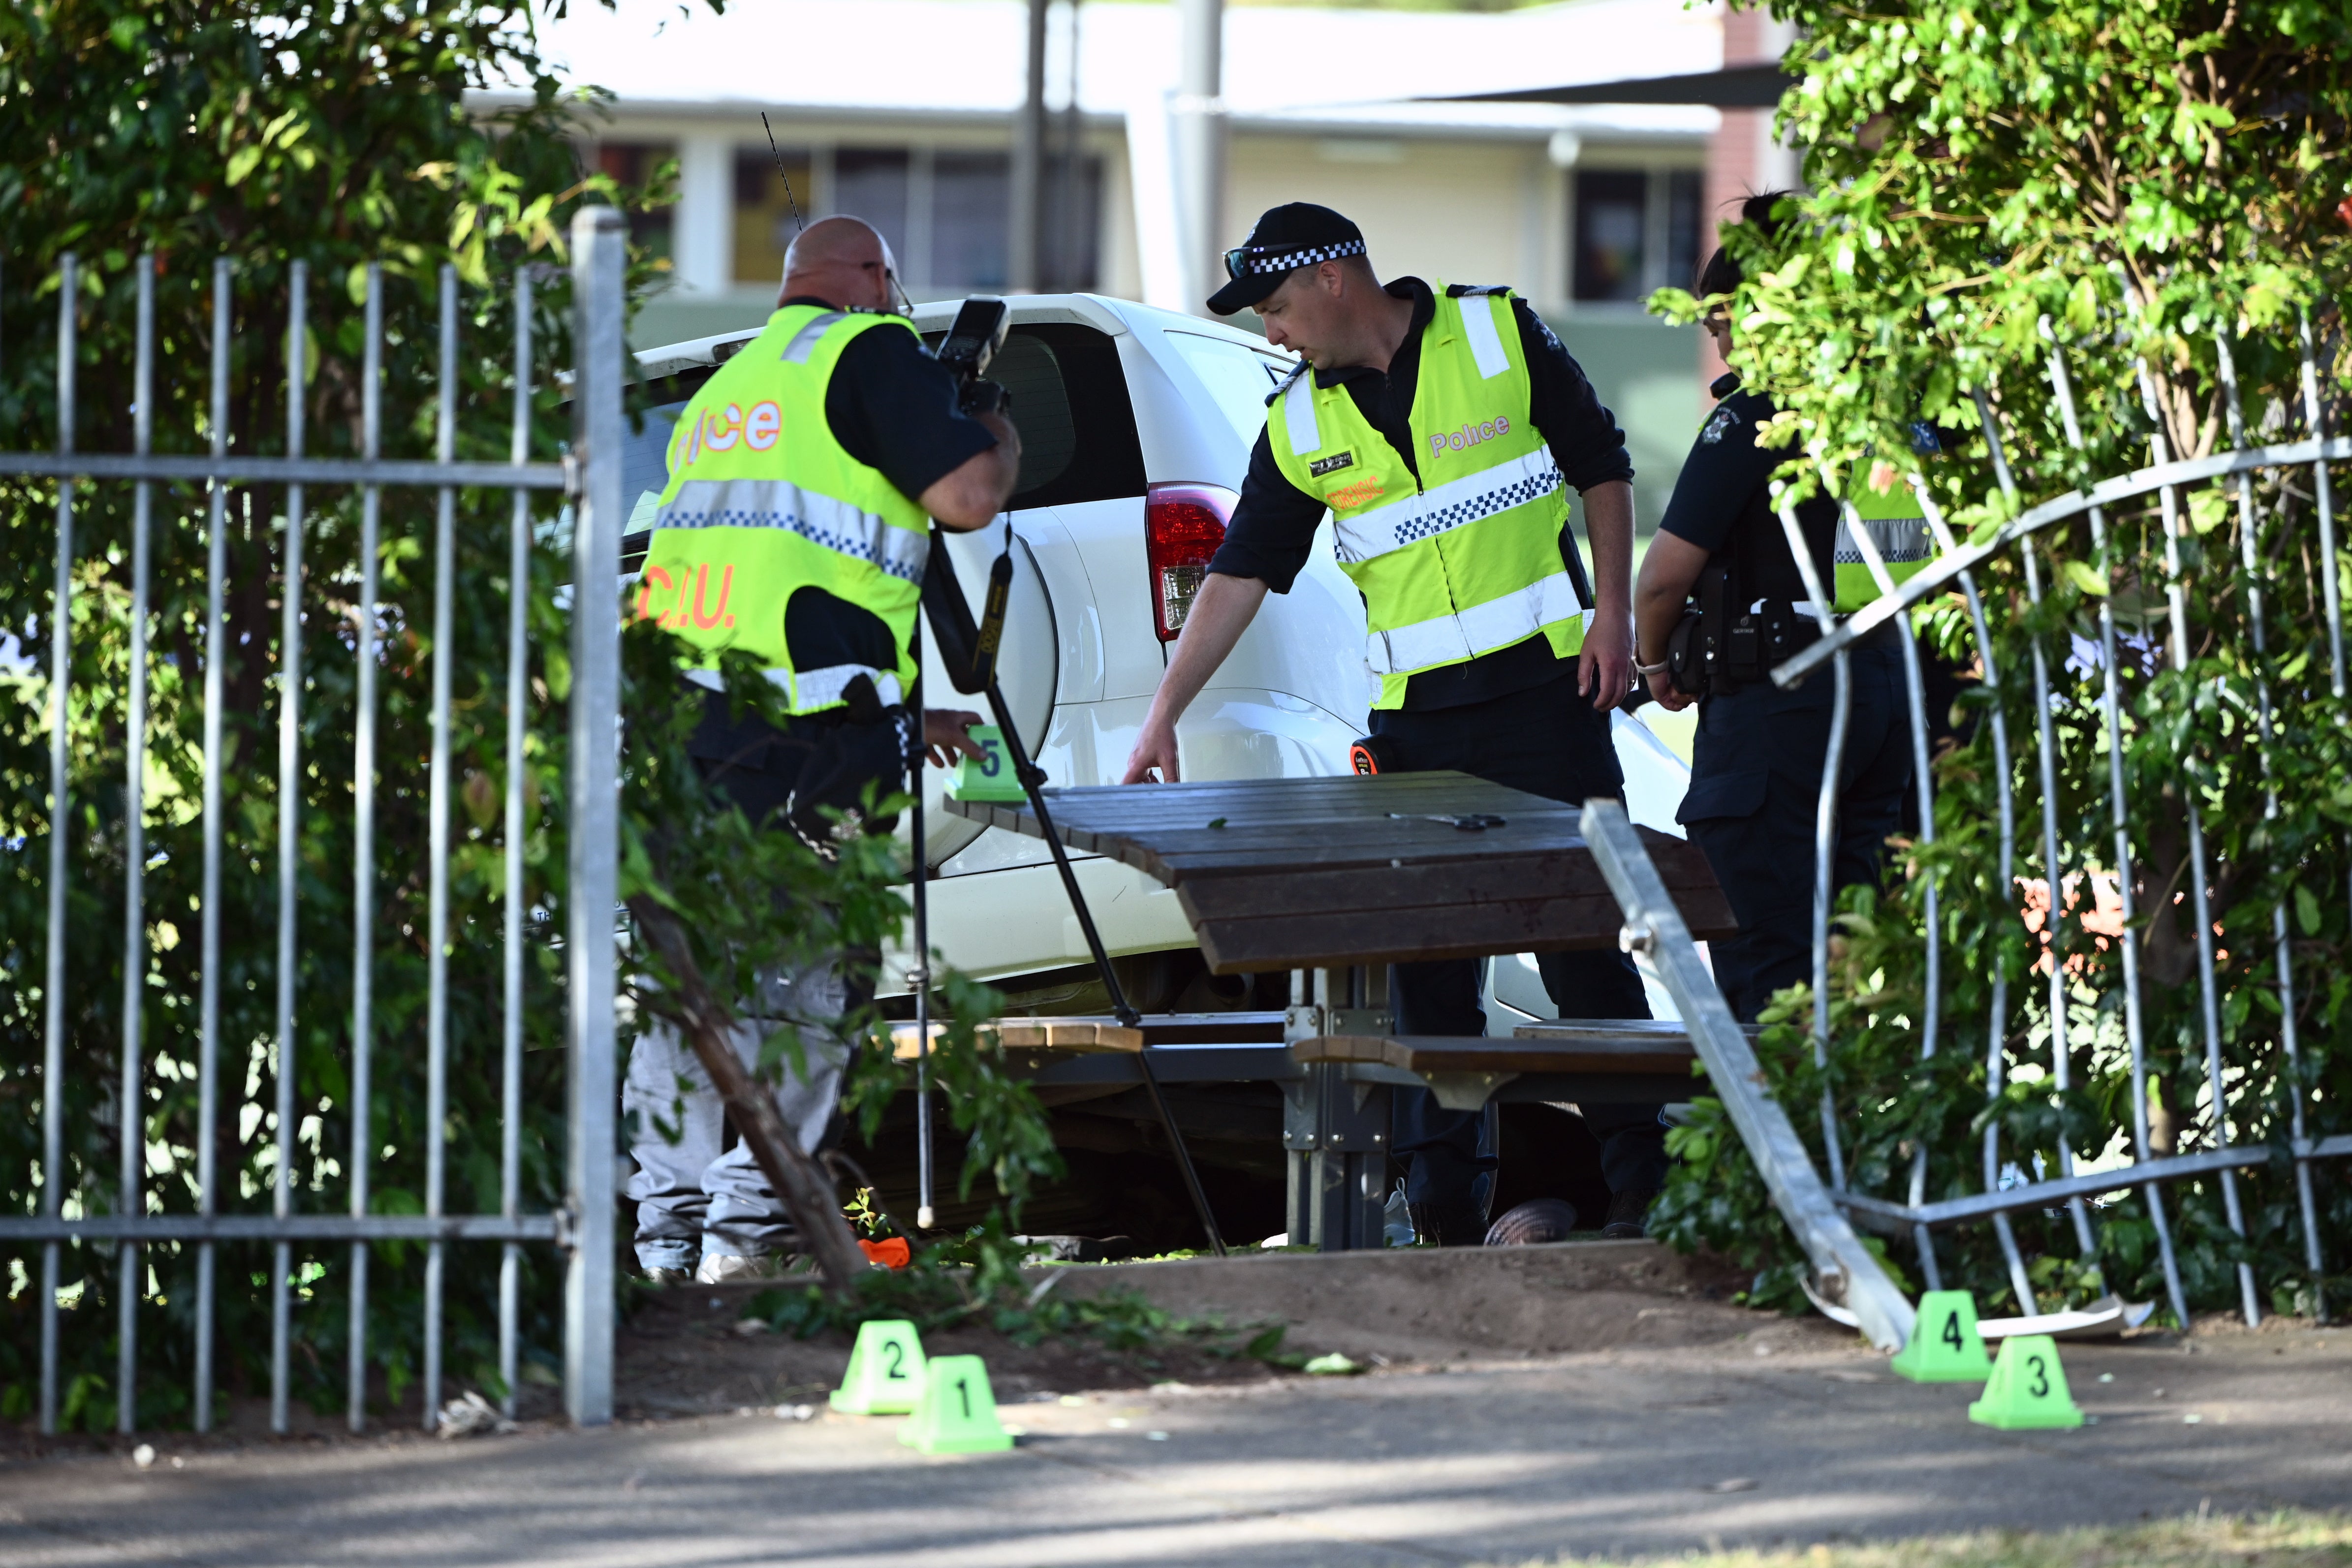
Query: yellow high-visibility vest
(762, 501)
(1466, 559)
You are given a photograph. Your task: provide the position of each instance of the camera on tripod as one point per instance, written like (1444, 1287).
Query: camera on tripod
(970, 347)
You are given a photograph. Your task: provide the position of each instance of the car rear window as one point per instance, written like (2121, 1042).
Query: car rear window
(1070, 404)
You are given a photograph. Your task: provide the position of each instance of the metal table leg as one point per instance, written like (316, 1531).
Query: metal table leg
(1335, 1133)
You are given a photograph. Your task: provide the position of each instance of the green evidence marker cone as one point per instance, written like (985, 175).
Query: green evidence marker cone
(2027, 1391)
(988, 777)
(957, 1413)
(1944, 1346)
(886, 1370)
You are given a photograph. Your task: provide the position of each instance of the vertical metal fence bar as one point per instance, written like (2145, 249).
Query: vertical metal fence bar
(53, 999)
(510, 1024)
(1915, 691)
(363, 843)
(2111, 712)
(2176, 594)
(289, 845)
(2248, 558)
(2005, 878)
(2061, 1066)
(1824, 835)
(208, 1002)
(2323, 493)
(589, 945)
(133, 1121)
(437, 947)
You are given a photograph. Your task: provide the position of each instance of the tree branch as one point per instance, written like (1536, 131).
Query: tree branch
(807, 1192)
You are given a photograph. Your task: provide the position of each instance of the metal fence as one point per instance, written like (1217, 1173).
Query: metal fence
(588, 477)
(2243, 1081)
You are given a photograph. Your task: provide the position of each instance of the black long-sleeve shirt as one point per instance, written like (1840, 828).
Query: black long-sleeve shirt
(1273, 530)
(1724, 498)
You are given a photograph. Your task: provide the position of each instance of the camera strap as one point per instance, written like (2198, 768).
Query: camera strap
(992, 614)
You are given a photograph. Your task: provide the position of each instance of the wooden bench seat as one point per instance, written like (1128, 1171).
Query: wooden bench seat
(1603, 1061)
(1599, 1054)
(1092, 1035)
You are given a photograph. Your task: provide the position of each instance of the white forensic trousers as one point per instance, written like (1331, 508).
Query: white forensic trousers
(695, 1199)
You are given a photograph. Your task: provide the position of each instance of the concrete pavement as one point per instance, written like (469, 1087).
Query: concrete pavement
(1792, 1435)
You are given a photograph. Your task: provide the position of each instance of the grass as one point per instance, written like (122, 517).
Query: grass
(2289, 1539)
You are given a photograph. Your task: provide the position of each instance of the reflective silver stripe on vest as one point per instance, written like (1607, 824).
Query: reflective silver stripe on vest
(1481, 628)
(803, 343)
(818, 687)
(1449, 506)
(823, 687)
(1900, 540)
(1486, 343)
(1298, 408)
(822, 520)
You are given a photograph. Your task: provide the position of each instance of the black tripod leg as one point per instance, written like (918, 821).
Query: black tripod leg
(1030, 779)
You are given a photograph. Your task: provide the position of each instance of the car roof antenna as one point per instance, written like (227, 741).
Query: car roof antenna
(797, 224)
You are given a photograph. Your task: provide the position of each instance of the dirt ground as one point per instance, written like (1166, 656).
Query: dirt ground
(688, 1351)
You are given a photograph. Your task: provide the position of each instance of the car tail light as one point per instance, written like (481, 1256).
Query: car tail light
(1183, 526)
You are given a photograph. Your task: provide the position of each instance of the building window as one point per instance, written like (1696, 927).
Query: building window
(1635, 230)
(635, 163)
(972, 195)
(945, 213)
(763, 211)
(871, 183)
(1683, 187)
(1072, 247)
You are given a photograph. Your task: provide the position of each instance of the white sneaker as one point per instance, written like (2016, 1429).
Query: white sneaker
(725, 1268)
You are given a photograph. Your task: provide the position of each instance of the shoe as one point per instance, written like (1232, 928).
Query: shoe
(1628, 1216)
(1448, 1224)
(1531, 1223)
(727, 1268)
(665, 1275)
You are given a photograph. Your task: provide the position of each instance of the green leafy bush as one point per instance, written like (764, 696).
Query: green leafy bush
(2118, 184)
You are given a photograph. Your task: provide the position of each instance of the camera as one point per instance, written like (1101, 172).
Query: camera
(970, 347)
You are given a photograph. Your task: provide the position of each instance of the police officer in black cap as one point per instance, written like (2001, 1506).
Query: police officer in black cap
(1440, 429)
(1758, 759)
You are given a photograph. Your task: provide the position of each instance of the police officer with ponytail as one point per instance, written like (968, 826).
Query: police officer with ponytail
(1721, 597)
(1440, 429)
(804, 479)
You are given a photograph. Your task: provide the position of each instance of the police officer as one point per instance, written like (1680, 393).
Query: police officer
(1755, 765)
(795, 524)
(1439, 428)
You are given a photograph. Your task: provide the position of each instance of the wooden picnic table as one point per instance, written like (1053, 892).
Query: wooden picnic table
(1334, 880)
(1329, 873)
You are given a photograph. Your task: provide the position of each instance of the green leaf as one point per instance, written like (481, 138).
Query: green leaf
(2306, 910)
(2085, 576)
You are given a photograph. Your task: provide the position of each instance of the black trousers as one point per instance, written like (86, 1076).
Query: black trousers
(1756, 784)
(1547, 741)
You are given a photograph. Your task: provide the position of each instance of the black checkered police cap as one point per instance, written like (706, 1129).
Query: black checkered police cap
(1295, 235)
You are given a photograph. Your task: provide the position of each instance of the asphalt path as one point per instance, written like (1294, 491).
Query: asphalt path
(1787, 1436)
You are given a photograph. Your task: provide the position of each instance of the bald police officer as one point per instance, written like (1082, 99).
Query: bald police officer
(803, 478)
(1439, 428)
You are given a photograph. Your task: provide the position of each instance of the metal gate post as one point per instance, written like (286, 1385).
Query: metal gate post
(594, 788)
(1661, 944)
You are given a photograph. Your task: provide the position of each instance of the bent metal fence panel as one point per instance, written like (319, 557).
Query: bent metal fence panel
(2167, 654)
(161, 1206)
(2172, 641)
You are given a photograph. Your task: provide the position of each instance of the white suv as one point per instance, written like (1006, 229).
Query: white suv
(1136, 428)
